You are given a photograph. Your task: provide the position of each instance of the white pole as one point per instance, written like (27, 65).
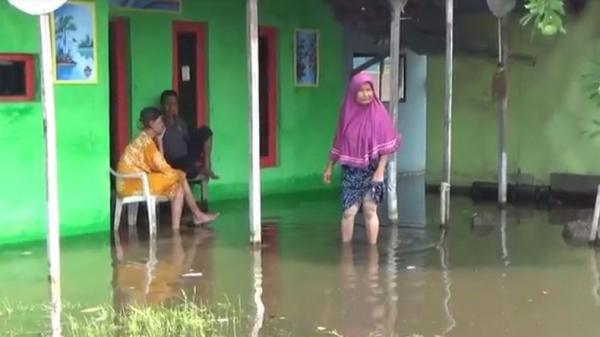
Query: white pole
(447, 165)
(53, 241)
(397, 7)
(254, 119)
(443, 204)
(503, 106)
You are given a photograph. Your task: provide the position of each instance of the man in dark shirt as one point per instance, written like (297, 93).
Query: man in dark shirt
(185, 149)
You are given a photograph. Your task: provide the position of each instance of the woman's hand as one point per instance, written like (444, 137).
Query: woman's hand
(327, 175)
(378, 176)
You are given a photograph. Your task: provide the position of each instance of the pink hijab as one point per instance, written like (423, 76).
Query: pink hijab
(364, 132)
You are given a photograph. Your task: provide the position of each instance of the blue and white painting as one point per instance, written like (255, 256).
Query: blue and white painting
(159, 5)
(75, 43)
(307, 57)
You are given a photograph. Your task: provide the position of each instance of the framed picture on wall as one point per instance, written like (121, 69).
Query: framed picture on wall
(149, 5)
(306, 57)
(74, 43)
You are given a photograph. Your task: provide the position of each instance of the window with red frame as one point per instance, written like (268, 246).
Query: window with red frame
(16, 77)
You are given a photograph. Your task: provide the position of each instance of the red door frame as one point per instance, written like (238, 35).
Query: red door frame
(199, 29)
(270, 34)
(119, 81)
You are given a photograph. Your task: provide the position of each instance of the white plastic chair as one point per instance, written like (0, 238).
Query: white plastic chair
(133, 201)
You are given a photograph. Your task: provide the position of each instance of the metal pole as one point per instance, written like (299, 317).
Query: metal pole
(447, 165)
(397, 7)
(503, 107)
(53, 233)
(254, 119)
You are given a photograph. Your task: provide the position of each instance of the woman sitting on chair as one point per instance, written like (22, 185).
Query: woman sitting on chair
(142, 155)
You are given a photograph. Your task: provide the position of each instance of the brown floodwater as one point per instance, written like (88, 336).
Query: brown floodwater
(492, 273)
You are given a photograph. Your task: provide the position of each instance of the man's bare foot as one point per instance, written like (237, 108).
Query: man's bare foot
(210, 174)
(205, 218)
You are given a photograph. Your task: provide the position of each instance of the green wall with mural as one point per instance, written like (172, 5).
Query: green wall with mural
(306, 116)
(549, 112)
(82, 140)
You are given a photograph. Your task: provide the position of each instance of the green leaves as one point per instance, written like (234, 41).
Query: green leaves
(547, 16)
(592, 83)
(591, 88)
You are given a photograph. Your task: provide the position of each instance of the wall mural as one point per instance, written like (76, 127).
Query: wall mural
(74, 43)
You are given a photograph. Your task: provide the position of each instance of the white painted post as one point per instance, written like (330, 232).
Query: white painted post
(595, 218)
(447, 165)
(397, 8)
(503, 107)
(443, 203)
(254, 120)
(43, 8)
(53, 236)
(501, 9)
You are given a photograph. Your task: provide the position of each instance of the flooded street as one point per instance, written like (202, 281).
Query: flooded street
(487, 278)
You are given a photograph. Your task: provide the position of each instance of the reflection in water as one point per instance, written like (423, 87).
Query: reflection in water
(595, 275)
(503, 237)
(495, 221)
(501, 280)
(444, 263)
(271, 269)
(392, 276)
(266, 277)
(158, 270)
(381, 291)
(55, 309)
(258, 291)
(363, 299)
(411, 201)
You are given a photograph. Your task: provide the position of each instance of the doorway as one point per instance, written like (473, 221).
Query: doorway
(267, 58)
(189, 71)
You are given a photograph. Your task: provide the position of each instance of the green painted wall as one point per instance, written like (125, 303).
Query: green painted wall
(82, 127)
(547, 111)
(306, 115)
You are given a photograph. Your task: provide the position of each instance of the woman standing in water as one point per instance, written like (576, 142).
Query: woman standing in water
(364, 138)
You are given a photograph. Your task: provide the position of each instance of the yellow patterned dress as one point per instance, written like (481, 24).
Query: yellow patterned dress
(142, 155)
